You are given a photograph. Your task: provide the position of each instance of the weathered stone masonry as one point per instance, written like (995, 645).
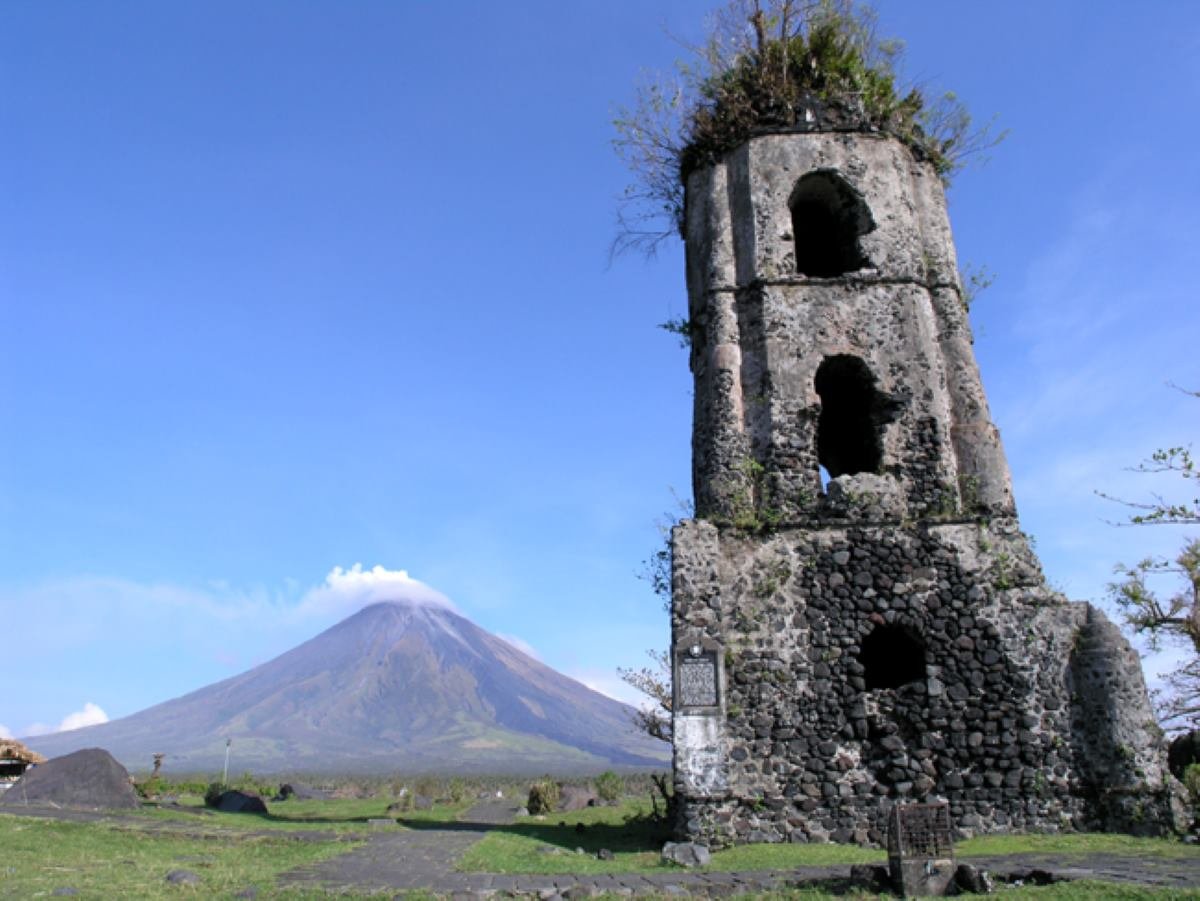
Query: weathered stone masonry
(883, 633)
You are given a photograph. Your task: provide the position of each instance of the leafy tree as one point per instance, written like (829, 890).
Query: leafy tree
(655, 683)
(763, 66)
(1170, 616)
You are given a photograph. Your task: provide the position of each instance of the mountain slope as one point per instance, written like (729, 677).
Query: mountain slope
(396, 686)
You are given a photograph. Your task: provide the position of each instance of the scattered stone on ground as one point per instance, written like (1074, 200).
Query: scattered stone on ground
(235, 801)
(604, 854)
(183, 877)
(522, 811)
(575, 797)
(89, 778)
(380, 822)
(300, 792)
(973, 880)
(65, 890)
(421, 802)
(686, 854)
(1034, 876)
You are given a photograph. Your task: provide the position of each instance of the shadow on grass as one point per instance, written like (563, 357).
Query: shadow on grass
(636, 834)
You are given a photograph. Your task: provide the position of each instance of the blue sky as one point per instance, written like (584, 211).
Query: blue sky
(291, 286)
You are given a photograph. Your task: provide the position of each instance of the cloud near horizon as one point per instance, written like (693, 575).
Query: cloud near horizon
(90, 715)
(74, 632)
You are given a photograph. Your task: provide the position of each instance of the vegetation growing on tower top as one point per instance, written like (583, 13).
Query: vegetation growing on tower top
(775, 65)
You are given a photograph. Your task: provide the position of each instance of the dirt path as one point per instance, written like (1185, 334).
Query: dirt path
(409, 859)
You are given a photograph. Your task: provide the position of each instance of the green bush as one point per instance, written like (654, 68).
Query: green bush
(151, 787)
(543, 796)
(212, 794)
(609, 786)
(1191, 781)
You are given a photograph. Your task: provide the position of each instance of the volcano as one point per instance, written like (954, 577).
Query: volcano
(398, 686)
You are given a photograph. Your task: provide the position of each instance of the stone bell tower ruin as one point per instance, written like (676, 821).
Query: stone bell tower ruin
(858, 620)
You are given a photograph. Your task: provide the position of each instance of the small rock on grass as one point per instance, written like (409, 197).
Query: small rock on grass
(65, 890)
(183, 877)
(686, 854)
(972, 880)
(604, 854)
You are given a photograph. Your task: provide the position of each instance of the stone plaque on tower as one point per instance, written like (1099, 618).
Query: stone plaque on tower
(696, 678)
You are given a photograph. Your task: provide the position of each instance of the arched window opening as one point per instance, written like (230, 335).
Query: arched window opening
(828, 218)
(849, 430)
(891, 658)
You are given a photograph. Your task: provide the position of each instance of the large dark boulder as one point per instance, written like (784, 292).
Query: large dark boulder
(234, 801)
(575, 797)
(90, 778)
(1183, 752)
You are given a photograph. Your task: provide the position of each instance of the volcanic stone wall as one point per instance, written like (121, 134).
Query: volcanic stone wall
(881, 633)
(1006, 719)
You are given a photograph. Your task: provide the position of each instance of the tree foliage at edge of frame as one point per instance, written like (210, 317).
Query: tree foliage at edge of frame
(1172, 616)
(763, 64)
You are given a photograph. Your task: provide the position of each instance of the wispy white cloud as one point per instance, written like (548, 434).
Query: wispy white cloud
(347, 590)
(90, 715)
(75, 633)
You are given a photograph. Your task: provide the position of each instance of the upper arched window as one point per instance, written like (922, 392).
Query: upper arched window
(849, 438)
(828, 218)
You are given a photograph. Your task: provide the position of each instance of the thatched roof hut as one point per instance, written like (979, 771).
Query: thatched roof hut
(15, 758)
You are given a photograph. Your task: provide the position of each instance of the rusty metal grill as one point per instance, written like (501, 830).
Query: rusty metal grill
(920, 830)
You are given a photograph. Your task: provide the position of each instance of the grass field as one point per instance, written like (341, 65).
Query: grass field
(547, 845)
(343, 815)
(231, 853)
(99, 861)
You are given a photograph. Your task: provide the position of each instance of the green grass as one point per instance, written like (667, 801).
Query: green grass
(100, 861)
(117, 858)
(533, 845)
(783, 857)
(542, 845)
(342, 815)
(1077, 844)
